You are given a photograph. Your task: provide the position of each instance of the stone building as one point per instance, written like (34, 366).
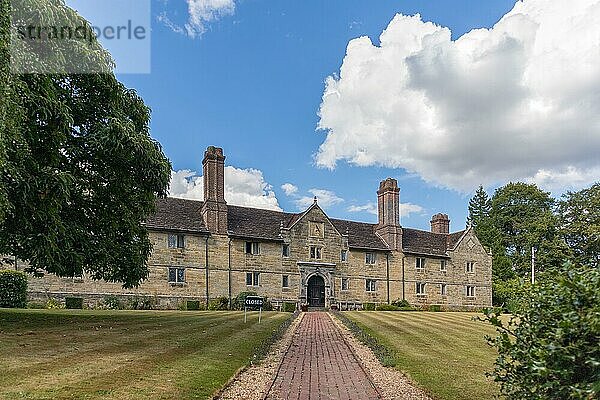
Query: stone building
(206, 249)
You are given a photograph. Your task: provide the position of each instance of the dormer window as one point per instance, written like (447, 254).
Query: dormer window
(344, 255)
(253, 248)
(176, 241)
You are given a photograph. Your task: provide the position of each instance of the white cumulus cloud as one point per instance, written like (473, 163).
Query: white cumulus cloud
(325, 199)
(243, 187)
(200, 14)
(405, 209)
(518, 101)
(289, 189)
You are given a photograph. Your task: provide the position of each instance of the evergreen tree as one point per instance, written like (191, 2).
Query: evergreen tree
(479, 207)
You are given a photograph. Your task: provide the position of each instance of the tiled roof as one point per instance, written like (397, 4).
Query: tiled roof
(360, 234)
(177, 215)
(423, 242)
(185, 215)
(256, 222)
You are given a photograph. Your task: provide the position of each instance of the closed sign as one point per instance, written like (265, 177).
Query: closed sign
(253, 302)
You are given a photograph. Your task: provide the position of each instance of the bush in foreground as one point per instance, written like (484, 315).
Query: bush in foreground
(550, 348)
(74, 303)
(13, 289)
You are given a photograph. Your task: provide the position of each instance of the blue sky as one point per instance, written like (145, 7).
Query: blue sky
(251, 79)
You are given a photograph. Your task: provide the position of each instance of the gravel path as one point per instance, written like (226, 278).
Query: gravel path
(392, 384)
(252, 382)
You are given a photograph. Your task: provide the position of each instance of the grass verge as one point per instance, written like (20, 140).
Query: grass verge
(445, 353)
(60, 354)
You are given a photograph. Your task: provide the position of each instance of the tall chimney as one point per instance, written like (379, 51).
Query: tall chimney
(388, 210)
(440, 223)
(214, 209)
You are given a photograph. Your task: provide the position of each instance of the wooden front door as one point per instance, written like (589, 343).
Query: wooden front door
(316, 291)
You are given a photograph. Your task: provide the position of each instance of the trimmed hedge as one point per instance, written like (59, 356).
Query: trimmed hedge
(193, 305)
(369, 306)
(13, 289)
(288, 307)
(74, 303)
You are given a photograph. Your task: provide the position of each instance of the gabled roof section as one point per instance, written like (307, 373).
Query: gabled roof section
(298, 217)
(256, 223)
(360, 235)
(173, 214)
(177, 215)
(424, 242)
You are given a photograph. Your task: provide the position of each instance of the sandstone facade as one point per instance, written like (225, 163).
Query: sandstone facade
(203, 250)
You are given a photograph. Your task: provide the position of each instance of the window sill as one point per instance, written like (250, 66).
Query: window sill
(180, 284)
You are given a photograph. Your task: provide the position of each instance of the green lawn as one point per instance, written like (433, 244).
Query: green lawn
(60, 354)
(443, 352)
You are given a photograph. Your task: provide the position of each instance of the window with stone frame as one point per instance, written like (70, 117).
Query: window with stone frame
(420, 288)
(285, 250)
(253, 248)
(344, 255)
(252, 278)
(176, 241)
(285, 281)
(370, 285)
(443, 265)
(420, 263)
(176, 275)
(470, 291)
(443, 289)
(345, 283)
(370, 258)
(470, 267)
(316, 252)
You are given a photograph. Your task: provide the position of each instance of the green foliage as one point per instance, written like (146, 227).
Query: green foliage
(54, 304)
(479, 207)
(219, 304)
(193, 305)
(434, 308)
(549, 349)
(523, 216)
(401, 303)
(368, 306)
(387, 307)
(74, 303)
(579, 216)
(112, 302)
(81, 173)
(13, 289)
(288, 307)
(510, 294)
(137, 303)
(238, 302)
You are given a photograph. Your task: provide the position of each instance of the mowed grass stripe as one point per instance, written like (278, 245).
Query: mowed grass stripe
(81, 346)
(175, 359)
(445, 353)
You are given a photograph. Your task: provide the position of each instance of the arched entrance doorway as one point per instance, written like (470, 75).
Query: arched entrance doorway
(316, 291)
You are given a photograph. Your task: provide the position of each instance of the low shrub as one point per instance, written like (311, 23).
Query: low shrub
(369, 306)
(219, 304)
(74, 303)
(240, 299)
(136, 303)
(401, 303)
(36, 305)
(387, 307)
(434, 308)
(112, 302)
(192, 305)
(288, 307)
(13, 289)
(53, 304)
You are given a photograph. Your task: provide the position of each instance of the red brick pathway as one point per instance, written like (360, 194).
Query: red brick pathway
(319, 364)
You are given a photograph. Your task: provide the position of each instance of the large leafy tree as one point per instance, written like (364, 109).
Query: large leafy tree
(81, 175)
(579, 215)
(523, 216)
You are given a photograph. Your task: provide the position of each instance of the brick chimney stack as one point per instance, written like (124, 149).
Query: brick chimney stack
(214, 209)
(440, 223)
(388, 210)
